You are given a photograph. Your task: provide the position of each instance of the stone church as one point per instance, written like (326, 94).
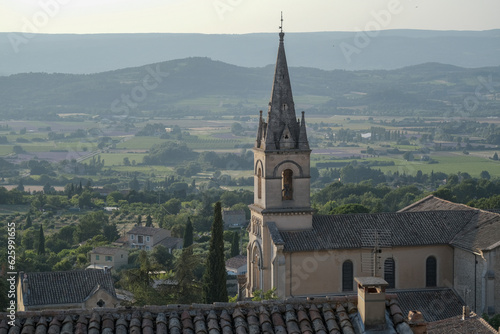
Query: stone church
(432, 244)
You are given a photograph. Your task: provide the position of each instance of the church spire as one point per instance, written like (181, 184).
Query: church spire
(282, 129)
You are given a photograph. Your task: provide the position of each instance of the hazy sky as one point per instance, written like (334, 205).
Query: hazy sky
(244, 16)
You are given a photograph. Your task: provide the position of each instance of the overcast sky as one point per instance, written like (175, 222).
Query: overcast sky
(244, 16)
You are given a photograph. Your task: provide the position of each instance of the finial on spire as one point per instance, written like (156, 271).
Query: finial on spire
(281, 26)
(282, 34)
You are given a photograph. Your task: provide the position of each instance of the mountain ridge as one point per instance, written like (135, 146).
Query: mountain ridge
(202, 86)
(390, 49)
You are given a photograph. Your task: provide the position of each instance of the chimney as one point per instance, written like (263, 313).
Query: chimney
(242, 281)
(371, 302)
(417, 322)
(465, 312)
(25, 283)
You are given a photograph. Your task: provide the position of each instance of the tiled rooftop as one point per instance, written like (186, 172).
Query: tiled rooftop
(434, 304)
(236, 261)
(406, 229)
(170, 242)
(66, 287)
(326, 316)
(143, 230)
(433, 203)
(481, 233)
(107, 250)
(470, 325)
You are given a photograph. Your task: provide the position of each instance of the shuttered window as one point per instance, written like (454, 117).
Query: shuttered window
(390, 272)
(347, 276)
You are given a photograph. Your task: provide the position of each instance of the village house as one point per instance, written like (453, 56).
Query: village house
(76, 289)
(108, 257)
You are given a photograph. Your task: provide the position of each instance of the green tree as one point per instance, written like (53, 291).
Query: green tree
(139, 220)
(91, 225)
(214, 278)
(149, 221)
(188, 290)
(235, 244)
(41, 241)
(349, 208)
(188, 234)
(29, 223)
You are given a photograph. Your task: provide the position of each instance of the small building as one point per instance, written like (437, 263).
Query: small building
(110, 257)
(171, 243)
(142, 237)
(234, 218)
(237, 265)
(77, 289)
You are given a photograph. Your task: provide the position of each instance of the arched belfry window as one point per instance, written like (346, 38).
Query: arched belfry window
(431, 272)
(390, 272)
(347, 276)
(259, 183)
(287, 185)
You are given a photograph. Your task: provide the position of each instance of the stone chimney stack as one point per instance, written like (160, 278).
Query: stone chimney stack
(417, 322)
(465, 312)
(371, 302)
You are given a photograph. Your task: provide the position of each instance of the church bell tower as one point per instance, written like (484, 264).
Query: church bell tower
(282, 158)
(281, 184)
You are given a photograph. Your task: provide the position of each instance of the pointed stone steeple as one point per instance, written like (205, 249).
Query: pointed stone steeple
(282, 130)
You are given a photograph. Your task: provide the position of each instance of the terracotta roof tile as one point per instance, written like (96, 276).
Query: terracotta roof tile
(473, 324)
(294, 316)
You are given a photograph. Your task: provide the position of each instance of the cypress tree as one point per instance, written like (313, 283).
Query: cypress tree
(214, 278)
(28, 221)
(41, 241)
(149, 221)
(235, 245)
(188, 234)
(139, 220)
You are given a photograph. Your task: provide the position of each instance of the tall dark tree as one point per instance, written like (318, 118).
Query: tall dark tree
(28, 222)
(139, 220)
(41, 241)
(149, 221)
(214, 278)
(235, 245)
(188, 234)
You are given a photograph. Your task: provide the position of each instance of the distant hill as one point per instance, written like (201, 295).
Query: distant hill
(201, 86)
(390, 49)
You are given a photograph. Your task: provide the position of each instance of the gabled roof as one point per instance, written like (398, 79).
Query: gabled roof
(66, 287)
(473, 324)
(482, 232)
(404, 228)
(107, 250)
(236, 262)
(170, 242)
(143, 230)
(433, 203)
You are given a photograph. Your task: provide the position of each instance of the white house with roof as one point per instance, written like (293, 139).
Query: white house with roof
(142, 237)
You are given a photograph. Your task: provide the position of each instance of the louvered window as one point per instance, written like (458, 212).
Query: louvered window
(347, 276)
(390, 272)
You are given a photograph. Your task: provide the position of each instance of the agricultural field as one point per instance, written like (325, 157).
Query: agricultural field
(115, 144)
